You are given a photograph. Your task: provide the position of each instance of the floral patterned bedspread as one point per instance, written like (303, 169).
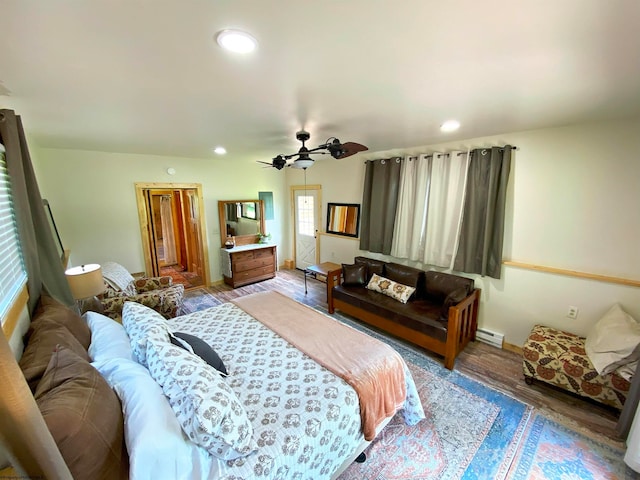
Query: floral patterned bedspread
(306, 420)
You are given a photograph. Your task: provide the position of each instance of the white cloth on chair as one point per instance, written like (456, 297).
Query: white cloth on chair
(118, 277)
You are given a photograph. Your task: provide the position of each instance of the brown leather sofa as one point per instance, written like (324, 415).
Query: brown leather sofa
(440, 316)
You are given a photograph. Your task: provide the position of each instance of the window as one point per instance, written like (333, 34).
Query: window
(306, 211)
(13, 275)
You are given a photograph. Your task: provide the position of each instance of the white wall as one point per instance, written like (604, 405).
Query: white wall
(92, 197)
(573, 203)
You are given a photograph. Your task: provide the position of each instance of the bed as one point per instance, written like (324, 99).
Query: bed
(281, 413)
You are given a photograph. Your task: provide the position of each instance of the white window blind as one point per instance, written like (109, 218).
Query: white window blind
(13, 275)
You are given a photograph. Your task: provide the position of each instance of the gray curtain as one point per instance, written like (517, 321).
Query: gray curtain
(629, 410)
(42, 262)
(481, 235)
(379, 200)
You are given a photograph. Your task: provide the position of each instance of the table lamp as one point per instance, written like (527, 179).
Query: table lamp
(86, 282)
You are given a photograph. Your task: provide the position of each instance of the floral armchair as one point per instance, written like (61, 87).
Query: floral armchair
(158, 293)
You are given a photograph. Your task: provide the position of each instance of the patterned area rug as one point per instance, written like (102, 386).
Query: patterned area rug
(196, 299)
(178, 275)
(471, 431)
(550, 451)
(521, 445)
(456, 440)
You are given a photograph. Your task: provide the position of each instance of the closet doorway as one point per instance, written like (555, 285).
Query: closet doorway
(173, 231)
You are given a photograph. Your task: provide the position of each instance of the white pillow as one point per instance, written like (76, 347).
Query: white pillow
(208, 410)
(613, 341)
(392, 289)
(141, 324)
(108, 338)
(156, 444)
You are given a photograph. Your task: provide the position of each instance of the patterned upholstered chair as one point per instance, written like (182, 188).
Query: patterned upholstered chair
(559, 358)
(158, 293)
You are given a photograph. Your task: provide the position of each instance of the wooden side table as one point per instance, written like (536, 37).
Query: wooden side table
(322, 269)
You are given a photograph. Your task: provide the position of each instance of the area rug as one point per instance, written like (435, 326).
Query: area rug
(458, 439)
(551, 451)
(196, 299)
(533, 447)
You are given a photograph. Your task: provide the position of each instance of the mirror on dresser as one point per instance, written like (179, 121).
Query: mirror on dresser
(242, 219)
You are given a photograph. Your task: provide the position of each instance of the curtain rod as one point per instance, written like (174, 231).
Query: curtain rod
(512, 147)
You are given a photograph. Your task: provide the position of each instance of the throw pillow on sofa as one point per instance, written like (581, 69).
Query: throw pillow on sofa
(452, 299)
(613, 341)
(387, 287)
(354, 275)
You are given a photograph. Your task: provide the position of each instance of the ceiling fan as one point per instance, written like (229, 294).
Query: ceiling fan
(332, 146)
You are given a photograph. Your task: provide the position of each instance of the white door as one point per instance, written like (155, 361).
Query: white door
(306, 206)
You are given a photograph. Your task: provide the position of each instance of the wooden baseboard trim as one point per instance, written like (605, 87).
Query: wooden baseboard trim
(512, 348)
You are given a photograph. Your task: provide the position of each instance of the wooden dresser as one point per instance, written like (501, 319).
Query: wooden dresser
(248, 264)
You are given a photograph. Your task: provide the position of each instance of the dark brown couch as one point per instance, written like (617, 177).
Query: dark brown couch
(440, 316)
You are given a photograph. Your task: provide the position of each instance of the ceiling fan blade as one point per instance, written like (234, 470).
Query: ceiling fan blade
(350, 148)
(266, 163)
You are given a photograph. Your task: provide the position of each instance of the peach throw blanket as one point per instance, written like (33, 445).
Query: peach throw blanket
(372, 368)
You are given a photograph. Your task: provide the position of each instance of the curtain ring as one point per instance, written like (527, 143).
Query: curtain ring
(383, 161)
(398, 160)
(484, 152)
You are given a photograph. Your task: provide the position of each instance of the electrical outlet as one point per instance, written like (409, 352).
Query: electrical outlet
(572, 312)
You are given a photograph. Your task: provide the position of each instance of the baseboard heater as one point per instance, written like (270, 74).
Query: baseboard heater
(492, 338)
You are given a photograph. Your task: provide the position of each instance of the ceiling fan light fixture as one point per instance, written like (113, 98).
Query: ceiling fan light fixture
(236, 41)
(450, 126)
(302, 163)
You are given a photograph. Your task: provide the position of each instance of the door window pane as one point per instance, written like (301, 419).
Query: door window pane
(306, 213)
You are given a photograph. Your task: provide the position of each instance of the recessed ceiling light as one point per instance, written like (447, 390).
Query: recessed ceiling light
(220, 150)
(236, 41)
(450, 126)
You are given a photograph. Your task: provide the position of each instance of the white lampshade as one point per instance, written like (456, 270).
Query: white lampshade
(302, 163)
(85, 281)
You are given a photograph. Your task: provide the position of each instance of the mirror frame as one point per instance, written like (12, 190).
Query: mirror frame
(340, 232)
(240, 239)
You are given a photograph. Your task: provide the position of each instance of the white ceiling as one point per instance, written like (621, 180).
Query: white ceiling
(147, 76)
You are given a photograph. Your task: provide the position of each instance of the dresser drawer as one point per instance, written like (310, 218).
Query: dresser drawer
(263, 252)
(242, 256)
(249, 264)
(255, 273)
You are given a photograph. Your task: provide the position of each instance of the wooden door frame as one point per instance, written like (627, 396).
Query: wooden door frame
(294, 189)
(175, 219)
(144, 221)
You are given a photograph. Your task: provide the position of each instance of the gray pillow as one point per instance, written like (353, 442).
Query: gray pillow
(200, 348)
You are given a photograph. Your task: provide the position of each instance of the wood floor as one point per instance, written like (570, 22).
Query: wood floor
(501, 369)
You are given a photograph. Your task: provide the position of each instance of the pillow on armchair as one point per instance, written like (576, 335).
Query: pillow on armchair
(157, 293)
(118, 279)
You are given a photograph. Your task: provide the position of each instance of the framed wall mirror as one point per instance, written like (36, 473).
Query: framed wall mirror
(343, 219)
(242, 219)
